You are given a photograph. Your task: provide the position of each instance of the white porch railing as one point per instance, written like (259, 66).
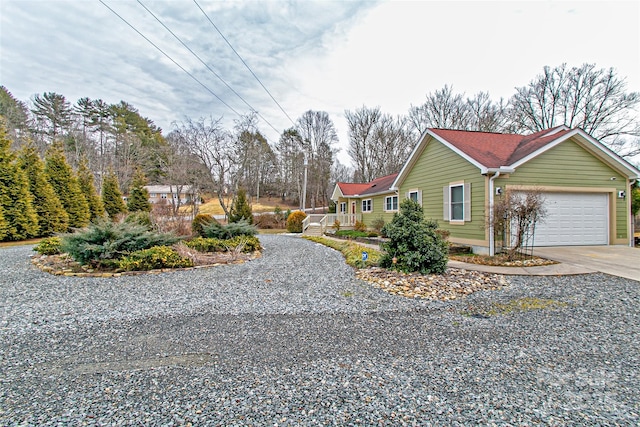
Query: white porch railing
(327, 221)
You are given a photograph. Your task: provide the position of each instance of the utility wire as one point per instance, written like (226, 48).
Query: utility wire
(245, 64)
(207, 66)
(170, 58)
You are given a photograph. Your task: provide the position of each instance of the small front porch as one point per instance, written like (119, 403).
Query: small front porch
(318, 224)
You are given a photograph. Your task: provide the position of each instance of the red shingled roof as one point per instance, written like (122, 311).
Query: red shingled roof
(493, 150)
(361, 189)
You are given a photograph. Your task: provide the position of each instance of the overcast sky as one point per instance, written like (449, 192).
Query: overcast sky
(328, 56)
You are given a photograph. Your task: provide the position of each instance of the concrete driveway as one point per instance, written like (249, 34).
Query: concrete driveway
(622, 261)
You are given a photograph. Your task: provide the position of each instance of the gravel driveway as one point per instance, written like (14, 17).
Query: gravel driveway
(294, 339)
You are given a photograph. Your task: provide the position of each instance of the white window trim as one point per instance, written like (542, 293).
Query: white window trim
(466, 202)
(416, 191)
(370, 205)
(386, 204)
(343, 207)
(451, 187)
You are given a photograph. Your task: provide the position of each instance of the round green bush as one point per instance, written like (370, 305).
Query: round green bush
(294, 222)
(49, 246)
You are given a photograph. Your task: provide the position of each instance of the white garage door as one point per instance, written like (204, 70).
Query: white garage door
(574, 219)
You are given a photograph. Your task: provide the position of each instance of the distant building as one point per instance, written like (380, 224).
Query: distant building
(169, 194)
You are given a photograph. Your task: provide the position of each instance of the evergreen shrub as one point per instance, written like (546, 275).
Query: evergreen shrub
(104, 241)
(218, 231)
(199, 222)
(49, 246)
(414, 242)
(294, 222)
(154, 258)
(211, 244)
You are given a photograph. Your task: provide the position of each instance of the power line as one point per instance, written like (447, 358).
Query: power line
(207, 66)
(245, 64)
(170, 58)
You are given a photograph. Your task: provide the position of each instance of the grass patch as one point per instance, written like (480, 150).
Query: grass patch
(272, 230)
(20, 243)
(519, 305)
(352, 251)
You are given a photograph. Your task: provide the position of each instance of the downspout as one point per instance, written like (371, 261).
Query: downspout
(632, 241)
(492, 243)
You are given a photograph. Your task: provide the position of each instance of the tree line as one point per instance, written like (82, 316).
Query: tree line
(101, 139)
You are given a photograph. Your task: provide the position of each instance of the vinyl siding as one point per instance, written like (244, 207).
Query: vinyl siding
(570, 165)
(437, 166)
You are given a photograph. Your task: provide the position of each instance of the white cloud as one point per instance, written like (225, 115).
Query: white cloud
(327, 56)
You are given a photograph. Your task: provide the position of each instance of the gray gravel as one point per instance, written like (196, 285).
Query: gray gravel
(294, 339)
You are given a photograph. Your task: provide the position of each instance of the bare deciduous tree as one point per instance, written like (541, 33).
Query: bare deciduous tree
(515, 216)
(213, 146)
(593, 99)
(378, 143)
(318, 135)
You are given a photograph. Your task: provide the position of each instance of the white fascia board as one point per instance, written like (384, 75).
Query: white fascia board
(405, 168)
(335, 197)
(616, 161)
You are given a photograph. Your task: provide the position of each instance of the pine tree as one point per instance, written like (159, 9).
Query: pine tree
(138, 195)
(52, 218)
(111, 195)
(240, 209)
(4, 226)
(65, 183)
(18, 215)
(85, 180)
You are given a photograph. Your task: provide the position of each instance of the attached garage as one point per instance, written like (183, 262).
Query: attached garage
(574, 219)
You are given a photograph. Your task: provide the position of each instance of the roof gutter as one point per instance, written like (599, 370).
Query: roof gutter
(496, 174)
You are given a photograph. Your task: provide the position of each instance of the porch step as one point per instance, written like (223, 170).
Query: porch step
(313, 230)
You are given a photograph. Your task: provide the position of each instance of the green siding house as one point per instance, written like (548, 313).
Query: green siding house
(457, 177)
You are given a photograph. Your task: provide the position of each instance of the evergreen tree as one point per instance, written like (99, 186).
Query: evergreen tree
(4, 226)
(111, 195)
(19, 217)
(65, 183)
(138, 195)
(86, 181)
(52, 218)
(240, 209)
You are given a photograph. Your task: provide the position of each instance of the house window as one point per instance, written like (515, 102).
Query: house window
(152, 195)
(456, 202)
(343, 207)
(391, 203)
(366, 205)
(413, 195)
(163, 196)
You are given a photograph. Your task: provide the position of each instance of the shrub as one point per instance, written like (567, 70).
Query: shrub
(199, 222)
(377, 224)
(351, 233)
(152, 258)
(141, 218)
(267, 221)
(294, 222)
(210, 244)
(360, 226)
(240, 208)
(105, 241)
(372, 234)
(336, 225)
(218, 231)
(49, 246)
(414, 242)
